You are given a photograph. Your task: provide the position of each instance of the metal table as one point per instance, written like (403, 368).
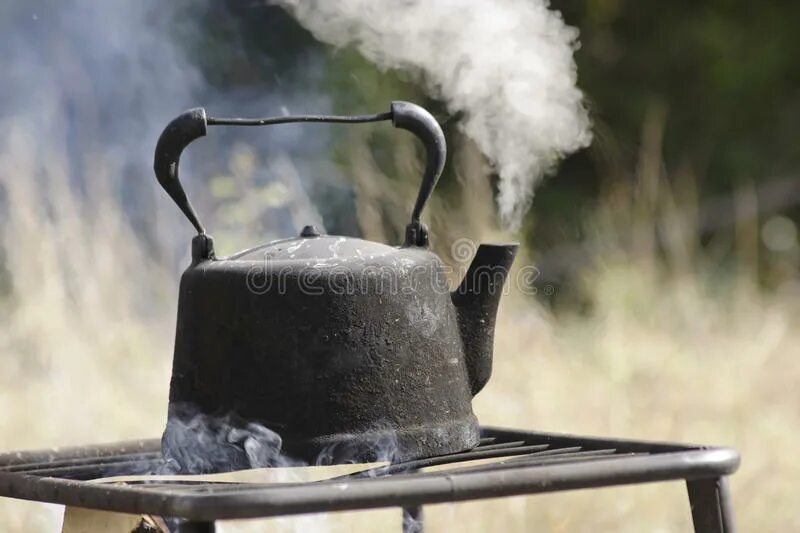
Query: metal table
(523, 462)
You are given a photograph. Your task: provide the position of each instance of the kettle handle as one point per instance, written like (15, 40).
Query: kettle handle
(193, 124)
(421, 123)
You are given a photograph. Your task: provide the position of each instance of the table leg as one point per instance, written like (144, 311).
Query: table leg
(712, 510)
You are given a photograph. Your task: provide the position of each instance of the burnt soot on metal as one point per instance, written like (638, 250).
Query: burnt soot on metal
(335, 343)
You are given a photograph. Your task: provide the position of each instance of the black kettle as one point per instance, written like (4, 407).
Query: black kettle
(335, 343)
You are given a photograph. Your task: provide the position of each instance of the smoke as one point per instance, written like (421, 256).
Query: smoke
(85, 89)
(507, 65)
(380, 445)
(90, 248)
(196, 443)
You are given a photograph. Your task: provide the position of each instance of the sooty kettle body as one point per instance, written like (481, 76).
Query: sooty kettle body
(337, 344)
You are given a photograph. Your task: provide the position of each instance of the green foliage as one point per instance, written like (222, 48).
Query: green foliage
(725, 74)
(727, 71)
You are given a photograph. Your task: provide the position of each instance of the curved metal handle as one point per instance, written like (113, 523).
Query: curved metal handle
(193, 124)
(418, 121)
(178, 134)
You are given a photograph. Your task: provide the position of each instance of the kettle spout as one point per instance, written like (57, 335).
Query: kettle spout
(476, 300)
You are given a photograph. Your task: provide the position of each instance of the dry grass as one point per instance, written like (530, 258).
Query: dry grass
(664, 354)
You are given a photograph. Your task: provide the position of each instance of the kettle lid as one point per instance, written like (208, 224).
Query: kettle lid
(312, 245)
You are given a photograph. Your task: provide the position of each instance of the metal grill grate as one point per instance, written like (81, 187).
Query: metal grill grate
(506, 463)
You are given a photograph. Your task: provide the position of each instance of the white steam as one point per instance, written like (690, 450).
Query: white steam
(507, 65)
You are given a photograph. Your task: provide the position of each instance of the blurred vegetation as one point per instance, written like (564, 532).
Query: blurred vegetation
(725, 77)
(717, 82)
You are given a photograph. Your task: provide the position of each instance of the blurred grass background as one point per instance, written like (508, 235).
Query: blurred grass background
(666, 304)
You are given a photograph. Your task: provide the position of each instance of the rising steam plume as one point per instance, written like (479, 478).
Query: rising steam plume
(507, 65)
